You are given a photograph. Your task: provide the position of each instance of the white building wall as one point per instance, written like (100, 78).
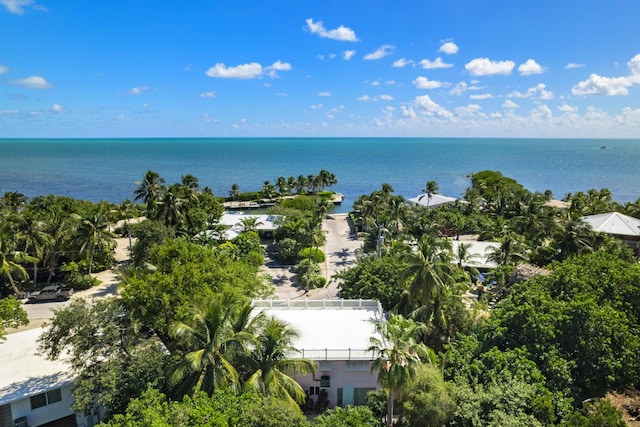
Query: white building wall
(340, 377)
(44, 414)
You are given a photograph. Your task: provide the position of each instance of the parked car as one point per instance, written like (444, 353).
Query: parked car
(51, 293)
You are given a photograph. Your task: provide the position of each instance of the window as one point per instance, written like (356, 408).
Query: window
(357, 365)
(324, 365)
(44, 399)
(339, 396)
(360, 396)
(325, 381)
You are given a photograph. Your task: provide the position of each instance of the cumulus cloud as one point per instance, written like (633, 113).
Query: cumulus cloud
(375, 83)
(243, 71)
(56, 108)
(209, 118)
(429, 65)
(530, 67)
(3, 69)
(348, 54)
(251, 70)
(565, 108)
(402, 62)
(449, 48)
(572, 65)
(510, 104)
(538, 92)
(424, 83)
(599, 85)
(17, 6)
(386, 97)
(381, 52)
(429, 107)
(487, 67)
(33, 82)
(341, 33)
(325, 93)
(468, 110)
(138, 90)
(208, 95)
(458, 89)
(481, 96)
(408, 112)
(365, 98)
(316, 106)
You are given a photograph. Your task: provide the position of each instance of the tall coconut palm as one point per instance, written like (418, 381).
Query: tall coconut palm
(510, 252)
(270, 363)
(250, 223)
(34, 238)
(209, 341)
(430, 188)
(399, 353)
(11, 261)
(12, 202)
(574, 237)
(59, 227)
(93, 234)
(150, 190)
(234, 192)
(172, 207)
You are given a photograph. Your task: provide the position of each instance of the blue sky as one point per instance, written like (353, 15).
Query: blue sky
(160, 68)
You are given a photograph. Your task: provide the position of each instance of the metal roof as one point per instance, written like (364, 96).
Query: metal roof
(614, 223)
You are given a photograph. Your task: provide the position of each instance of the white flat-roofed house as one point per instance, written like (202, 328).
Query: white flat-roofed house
(34, 390)
(336, 334)
(432, 201)
(233, 223)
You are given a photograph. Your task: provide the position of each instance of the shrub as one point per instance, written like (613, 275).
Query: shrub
(79, 281)
(314, 254)
(287, 251)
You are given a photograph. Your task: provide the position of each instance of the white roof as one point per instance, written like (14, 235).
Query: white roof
(479, 252)
(329, 329)
(434, 200)
(614, 223)
(233, 220)
(24, 373)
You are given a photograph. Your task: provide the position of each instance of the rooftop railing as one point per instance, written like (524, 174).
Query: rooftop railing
(336, 354)
(349, 304)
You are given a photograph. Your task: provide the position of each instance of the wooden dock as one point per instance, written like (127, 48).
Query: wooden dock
(337, 200)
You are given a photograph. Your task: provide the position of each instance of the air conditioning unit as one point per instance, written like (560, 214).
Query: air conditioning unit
(20, 422)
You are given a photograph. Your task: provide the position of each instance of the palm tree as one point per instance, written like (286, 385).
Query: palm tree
(172, 207)
(150, 190)
(93, 234)
(510, 252)
(58, 227)
(465, 260)
(12, 202)
(250, 223)
(31, 232)
(234, 192)
(399, 354)
(430, 189)
(11, 260)
(270, 363)
(210, 338)
(574, 238)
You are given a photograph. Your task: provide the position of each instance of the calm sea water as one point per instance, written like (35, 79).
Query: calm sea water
(106, 169)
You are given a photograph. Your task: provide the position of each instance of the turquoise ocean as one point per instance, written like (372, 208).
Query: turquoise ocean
(107, 169)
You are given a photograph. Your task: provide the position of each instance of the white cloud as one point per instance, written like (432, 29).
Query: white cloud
(375, 83)
(3, 69)
(17, 6)
(390, 82)
(408, 112)
(538, 92)
(458, 89)
(565, 108)
(348, 54)
(510, 104)
(572, 65)
(429, 65)
(481, 96)
(598, 85)
(530, 67)
(366, 98)
(341, 33)
(209, 118)
(316, 106)
(449, 48)
(33, 82)
(468, 110)
(386, 97)
(122, 117)
(402, 62)
(381, 52)
(487, 67)
(208, 95)
(57, 108)
(424, 83)
(280, 66)
(138, 90)
(244, 71)
(325, 93)
(277, 66)
(431, 108)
